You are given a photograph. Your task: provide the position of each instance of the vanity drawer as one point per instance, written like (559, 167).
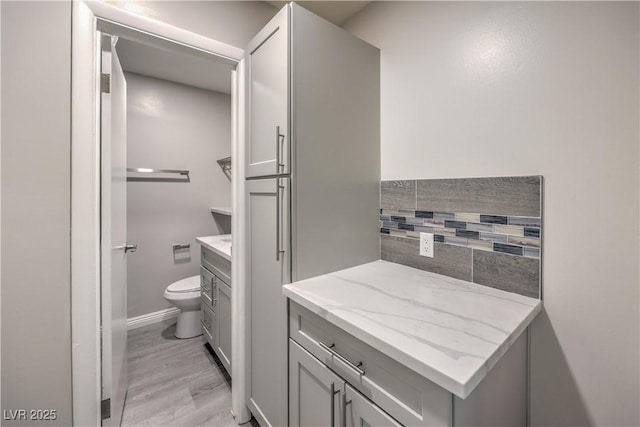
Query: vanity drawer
(207, 287)
(406, 396)
(208, 321)
(215, 263)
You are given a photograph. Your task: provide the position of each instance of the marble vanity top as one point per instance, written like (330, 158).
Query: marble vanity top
(450, 331)
(220, 244)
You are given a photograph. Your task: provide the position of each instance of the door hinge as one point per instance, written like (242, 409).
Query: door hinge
(105, 83)
(106, 409)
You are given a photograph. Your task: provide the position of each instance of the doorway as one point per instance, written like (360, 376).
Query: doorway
(165, 126)
(97, 377)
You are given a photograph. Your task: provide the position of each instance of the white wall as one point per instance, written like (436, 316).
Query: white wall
(36, 102)
(172, 126)
(486, 89)
(36, 148)
(231, 22)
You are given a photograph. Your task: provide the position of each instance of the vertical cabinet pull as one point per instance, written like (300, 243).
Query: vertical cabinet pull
(345, 402)
(278, 219)
(214, 282)
(333, 403)
(279, 142)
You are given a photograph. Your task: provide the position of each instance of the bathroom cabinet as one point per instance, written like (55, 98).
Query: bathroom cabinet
(215, 282)
(336, 379)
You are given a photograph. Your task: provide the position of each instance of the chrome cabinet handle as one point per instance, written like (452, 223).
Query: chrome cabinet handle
(354, 366)
(127, 247)
(278, 219)
(333, 403)
(345, 402)
(214, 282)
(279, 140)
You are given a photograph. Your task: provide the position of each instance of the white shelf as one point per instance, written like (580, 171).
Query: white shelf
(221, 211)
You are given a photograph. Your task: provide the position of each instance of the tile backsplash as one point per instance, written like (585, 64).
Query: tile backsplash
(486, 230)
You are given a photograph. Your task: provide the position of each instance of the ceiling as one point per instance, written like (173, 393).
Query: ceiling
(337, 12)
(174, 66)
(208, 74)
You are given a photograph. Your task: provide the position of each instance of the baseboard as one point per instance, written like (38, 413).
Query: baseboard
(151, 318)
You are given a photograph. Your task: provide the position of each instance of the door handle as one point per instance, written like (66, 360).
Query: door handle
(127, 247)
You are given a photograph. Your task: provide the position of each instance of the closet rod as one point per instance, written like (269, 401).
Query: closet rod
(148, 170)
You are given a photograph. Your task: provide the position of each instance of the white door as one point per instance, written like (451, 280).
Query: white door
(113, 233)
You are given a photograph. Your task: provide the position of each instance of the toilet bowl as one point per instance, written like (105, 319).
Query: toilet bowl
(185, 295)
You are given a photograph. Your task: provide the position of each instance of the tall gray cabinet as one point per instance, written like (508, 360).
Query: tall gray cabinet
(312, 150)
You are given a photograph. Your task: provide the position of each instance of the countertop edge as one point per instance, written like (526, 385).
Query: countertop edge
(427, 372)
(214, 249)
(493, 360)
(460, 389)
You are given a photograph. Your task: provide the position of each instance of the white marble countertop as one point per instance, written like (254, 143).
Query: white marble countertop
(220, 244)
(221, 210)
(450, 331)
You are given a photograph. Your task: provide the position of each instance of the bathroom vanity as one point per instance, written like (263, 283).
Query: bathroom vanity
(215, 283)
(389, 345)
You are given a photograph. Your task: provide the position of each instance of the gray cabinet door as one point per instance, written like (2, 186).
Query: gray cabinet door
(268, 270)
(360, 411)
(223, 332)
(267, 99)
(314, 391)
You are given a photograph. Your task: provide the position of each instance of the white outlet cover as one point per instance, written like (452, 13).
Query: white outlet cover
(426, 244)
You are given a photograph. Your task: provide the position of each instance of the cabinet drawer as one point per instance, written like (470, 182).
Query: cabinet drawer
(220, 266)
(208, 321)
(406, 396)
(207, 287)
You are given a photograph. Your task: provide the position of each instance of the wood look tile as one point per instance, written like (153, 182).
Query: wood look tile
(507, 272)
(518, 196)
(398, 195)
(174, 382)
(449, 260)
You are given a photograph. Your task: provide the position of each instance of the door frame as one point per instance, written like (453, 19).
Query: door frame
(88, 19)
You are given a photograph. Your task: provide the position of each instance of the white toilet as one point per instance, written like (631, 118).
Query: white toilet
(185, 294)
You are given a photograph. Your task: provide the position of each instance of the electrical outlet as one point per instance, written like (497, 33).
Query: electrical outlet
(426, 244)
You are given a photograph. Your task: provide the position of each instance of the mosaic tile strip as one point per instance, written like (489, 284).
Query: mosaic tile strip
(486, 230)
(498, 233)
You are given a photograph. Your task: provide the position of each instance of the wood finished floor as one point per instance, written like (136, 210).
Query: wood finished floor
(175, 382)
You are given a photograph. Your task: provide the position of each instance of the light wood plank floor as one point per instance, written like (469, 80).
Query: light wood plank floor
(175, 382)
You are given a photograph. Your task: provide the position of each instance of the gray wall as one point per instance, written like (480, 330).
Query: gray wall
(172, 126)
(36, 335)
(495, 89)
(36, 51)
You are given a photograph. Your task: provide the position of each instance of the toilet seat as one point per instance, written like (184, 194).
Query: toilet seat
(190, 284)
